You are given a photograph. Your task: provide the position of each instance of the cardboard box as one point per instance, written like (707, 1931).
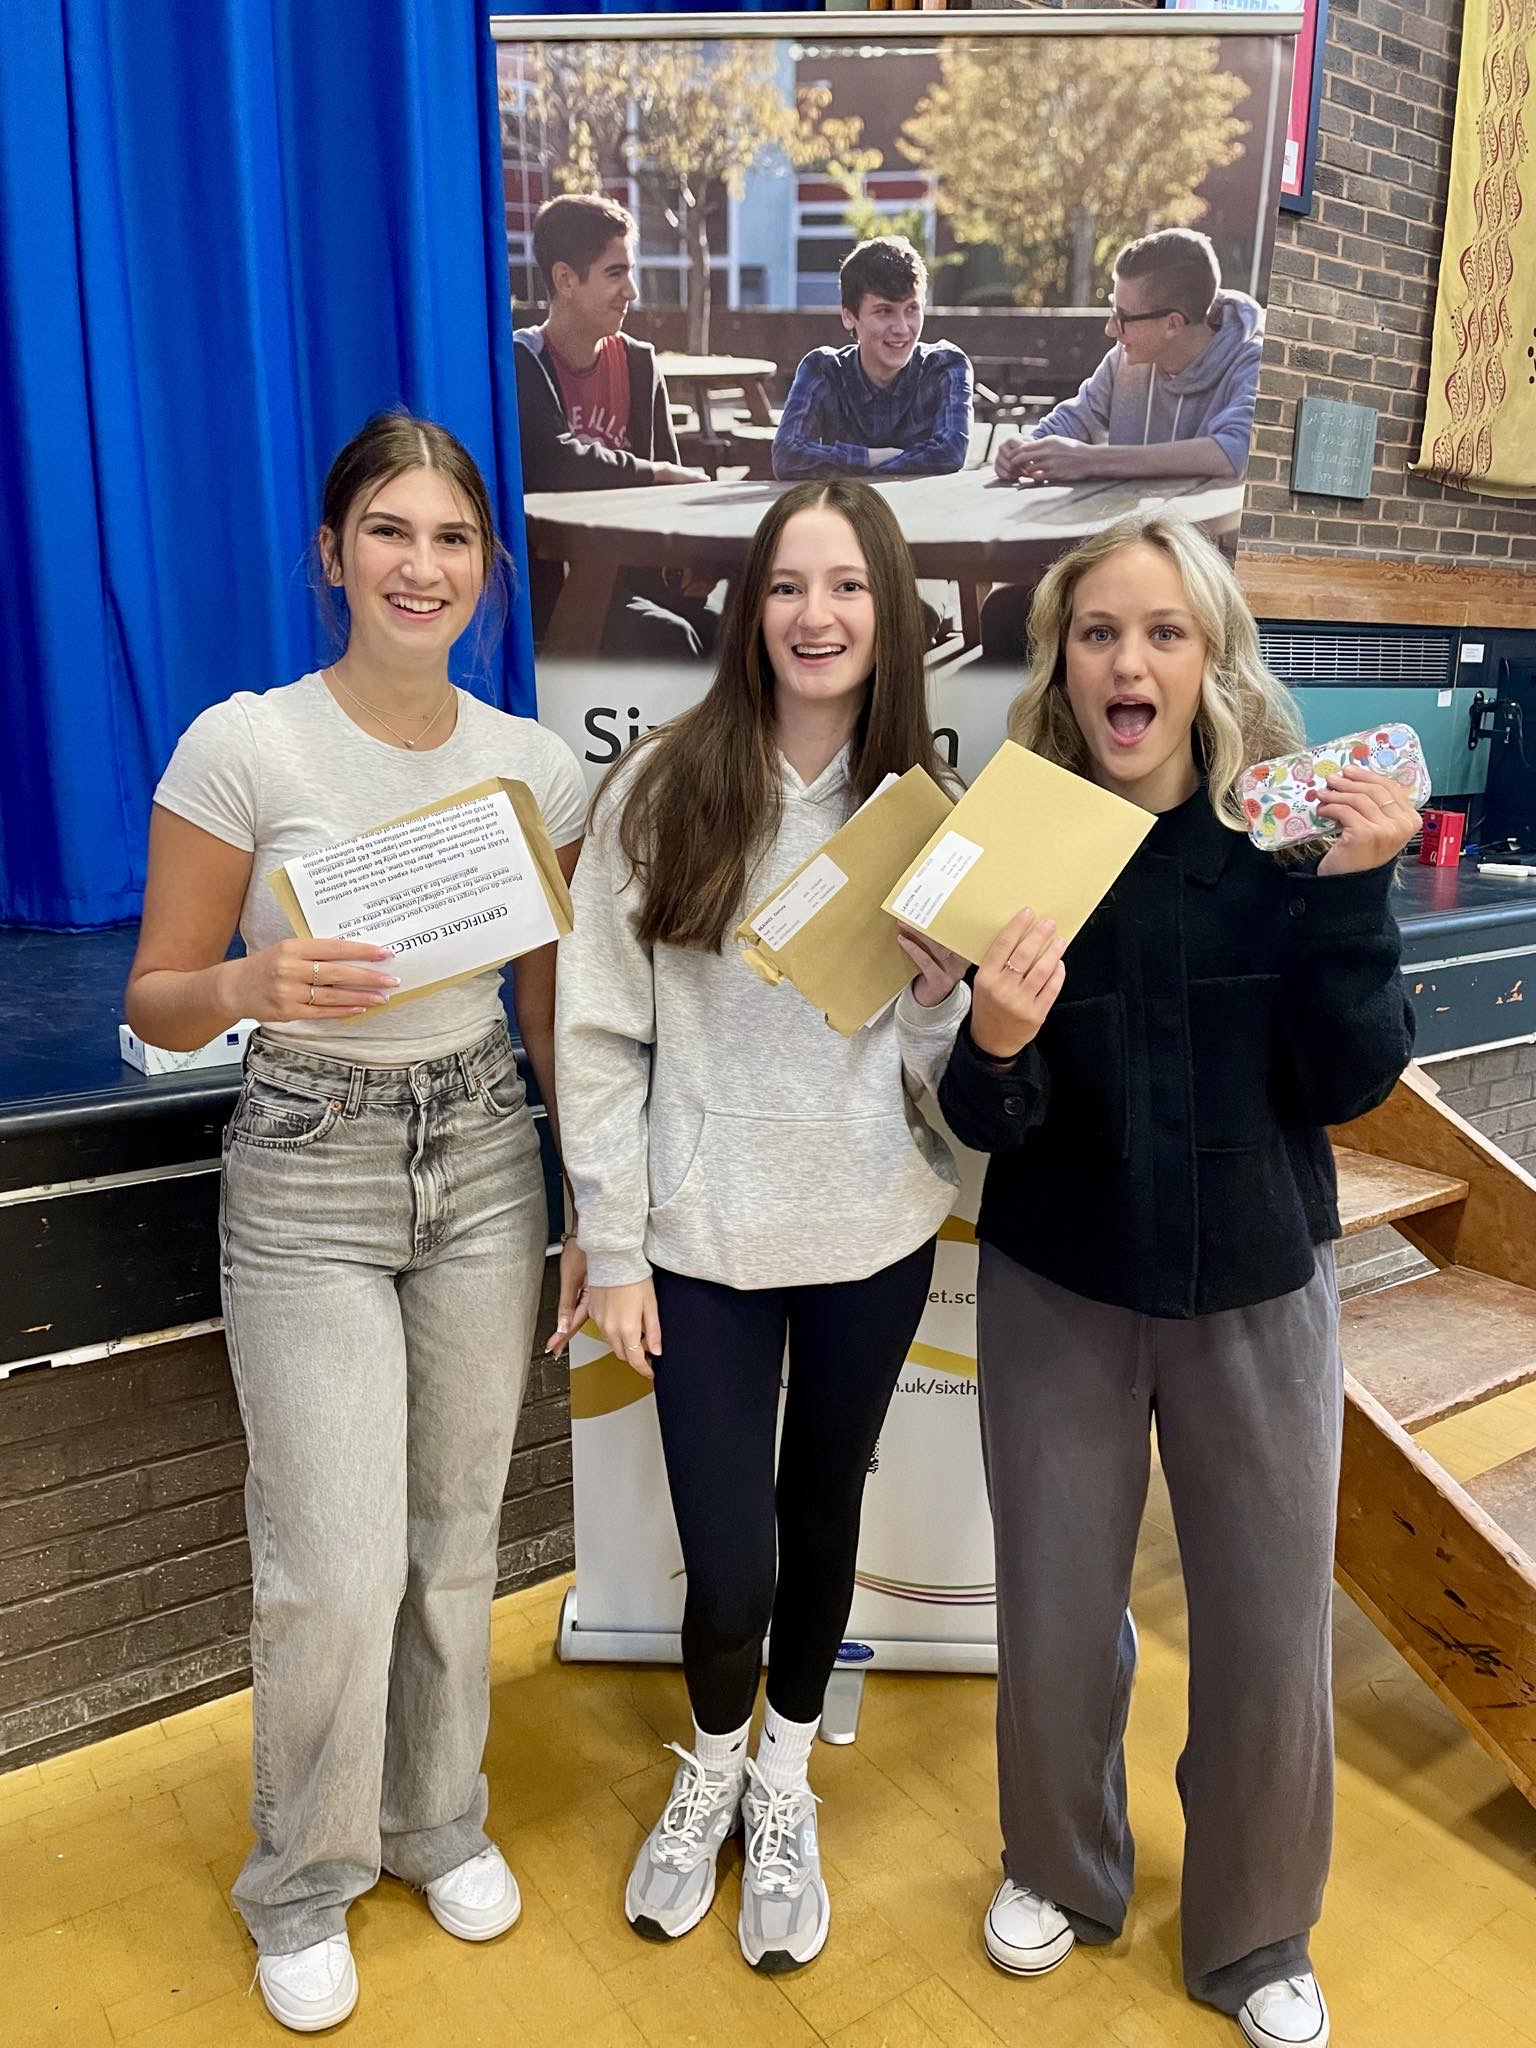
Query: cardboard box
(227, 1050)
(1440, 847)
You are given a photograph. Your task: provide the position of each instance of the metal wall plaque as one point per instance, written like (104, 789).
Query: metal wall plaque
(1334, 451)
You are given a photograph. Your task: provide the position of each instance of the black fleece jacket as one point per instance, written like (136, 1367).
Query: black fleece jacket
(1161, 1145)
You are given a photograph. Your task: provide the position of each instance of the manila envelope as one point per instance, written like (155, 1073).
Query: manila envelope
(822, 931)
(1025, 831)
(546, 866)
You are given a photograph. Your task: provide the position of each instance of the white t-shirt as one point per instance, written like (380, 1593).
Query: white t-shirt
(284, 772)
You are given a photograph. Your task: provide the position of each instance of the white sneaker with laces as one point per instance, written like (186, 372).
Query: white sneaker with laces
(1290, 2014)
(313, 1988)
(672, 1884)
(785, 1910)
(476, 1900)
(1025, 1934)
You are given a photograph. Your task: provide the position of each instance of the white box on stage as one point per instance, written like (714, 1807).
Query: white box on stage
(227, 1050)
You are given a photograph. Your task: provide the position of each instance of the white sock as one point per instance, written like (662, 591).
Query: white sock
(784, 1750)
(726, 1754)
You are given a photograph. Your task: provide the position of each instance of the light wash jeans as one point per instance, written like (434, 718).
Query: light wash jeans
(382, 1230)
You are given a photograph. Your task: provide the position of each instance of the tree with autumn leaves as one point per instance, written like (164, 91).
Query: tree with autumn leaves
(679, 118)
(1058, 151)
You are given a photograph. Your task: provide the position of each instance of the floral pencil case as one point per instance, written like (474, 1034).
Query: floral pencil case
(1280, 797)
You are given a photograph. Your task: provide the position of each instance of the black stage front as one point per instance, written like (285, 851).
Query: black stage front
(109, 1178)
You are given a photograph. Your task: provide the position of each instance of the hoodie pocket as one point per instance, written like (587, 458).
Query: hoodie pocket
(787, 1190)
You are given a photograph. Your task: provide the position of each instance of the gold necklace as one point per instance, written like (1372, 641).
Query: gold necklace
(373, 712)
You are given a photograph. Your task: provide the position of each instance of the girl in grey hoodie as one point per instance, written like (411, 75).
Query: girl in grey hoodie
(746, 1177)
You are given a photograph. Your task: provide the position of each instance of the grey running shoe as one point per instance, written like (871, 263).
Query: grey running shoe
(672, 1885)
(785, 1911)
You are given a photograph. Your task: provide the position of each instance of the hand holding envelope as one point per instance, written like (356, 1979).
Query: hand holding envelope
(956, 874)
(459, 886)
(1025, 832)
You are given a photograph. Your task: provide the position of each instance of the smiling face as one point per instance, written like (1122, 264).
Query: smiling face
(1135, 663)
(819, 610)
(412, 563)
(887, 331)
(597, 303)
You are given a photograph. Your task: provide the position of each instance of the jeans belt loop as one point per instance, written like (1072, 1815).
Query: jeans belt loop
(355, 1091)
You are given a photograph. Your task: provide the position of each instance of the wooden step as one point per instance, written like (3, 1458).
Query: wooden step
(1430, 1348)
(1508, 1494)
(1374, 1191)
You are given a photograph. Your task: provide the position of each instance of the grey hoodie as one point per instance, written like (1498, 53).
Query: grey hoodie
(1133, 405)
(721, 1128)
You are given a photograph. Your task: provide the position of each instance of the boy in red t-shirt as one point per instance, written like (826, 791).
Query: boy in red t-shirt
(593, 412)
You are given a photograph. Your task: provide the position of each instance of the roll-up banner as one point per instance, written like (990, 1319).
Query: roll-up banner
(1080, 209)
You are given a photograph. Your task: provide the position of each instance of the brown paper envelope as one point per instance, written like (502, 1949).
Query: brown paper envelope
(844, 957)
(526, 809)
(1025, 831)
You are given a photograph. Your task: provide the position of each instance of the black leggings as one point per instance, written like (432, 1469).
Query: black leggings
(717, 1397)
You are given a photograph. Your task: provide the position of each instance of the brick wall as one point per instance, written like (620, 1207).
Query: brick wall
(1352, 297)
(1496, 1091)
(124, 1571)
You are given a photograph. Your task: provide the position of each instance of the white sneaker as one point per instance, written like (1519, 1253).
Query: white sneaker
(477, 1900)
(311, 1989)
(672, 1884)
(785, 1910)
(1286, 2014)
(1024, 1933)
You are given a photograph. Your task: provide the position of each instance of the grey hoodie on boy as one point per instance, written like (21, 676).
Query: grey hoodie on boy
(1136, 405)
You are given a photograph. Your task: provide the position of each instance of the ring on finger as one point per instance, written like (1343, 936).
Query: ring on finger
(1012, 967)
(311, 996)
(314, 972)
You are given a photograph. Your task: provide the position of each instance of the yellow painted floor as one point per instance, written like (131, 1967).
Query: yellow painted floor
(115, 1864)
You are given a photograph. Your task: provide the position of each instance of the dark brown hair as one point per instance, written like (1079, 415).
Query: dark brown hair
(886, 265)
(1184, 263)
(386, 447)
(576, 228)
(703, 799)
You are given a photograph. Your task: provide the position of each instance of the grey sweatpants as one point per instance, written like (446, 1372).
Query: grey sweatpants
(1248, 1410)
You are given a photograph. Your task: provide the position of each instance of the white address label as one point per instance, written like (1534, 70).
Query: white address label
(793, 908)
(936, 880)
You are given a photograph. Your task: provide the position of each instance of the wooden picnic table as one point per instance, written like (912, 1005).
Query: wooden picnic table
(968, 528)
(698, 378)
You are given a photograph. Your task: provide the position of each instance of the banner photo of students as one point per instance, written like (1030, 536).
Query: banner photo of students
(747, 250)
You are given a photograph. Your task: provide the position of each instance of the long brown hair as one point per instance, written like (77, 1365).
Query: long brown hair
(703, 799)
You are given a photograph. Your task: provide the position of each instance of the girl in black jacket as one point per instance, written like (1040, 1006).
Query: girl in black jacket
(1156, 1242)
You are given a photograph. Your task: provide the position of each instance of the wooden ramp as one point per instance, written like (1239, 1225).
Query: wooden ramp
(1444, 1570)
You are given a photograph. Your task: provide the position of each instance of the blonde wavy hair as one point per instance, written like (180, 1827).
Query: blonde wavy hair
(1245, 715)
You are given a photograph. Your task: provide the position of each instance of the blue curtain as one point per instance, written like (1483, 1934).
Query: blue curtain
(229, 230)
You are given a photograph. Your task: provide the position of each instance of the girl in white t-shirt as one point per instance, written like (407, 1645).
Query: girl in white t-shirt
(382, 1226)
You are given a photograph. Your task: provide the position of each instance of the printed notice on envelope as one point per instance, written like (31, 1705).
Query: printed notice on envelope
(793, 908)
(451, 890)
(936, 880)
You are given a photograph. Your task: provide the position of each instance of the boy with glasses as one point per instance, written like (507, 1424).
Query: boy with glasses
(1174, 396)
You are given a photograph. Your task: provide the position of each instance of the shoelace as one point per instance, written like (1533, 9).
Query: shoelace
(773, 1867)
(687, 1812)
(1304, 1987)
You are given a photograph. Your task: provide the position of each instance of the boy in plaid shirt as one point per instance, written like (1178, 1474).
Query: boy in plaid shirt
(888, 403)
